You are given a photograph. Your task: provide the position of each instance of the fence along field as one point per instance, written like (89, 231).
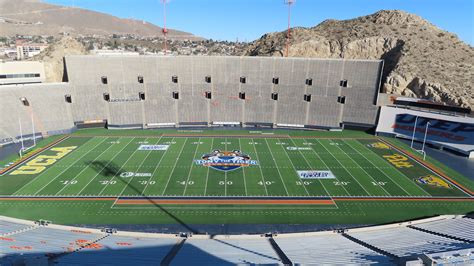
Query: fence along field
(104, 166)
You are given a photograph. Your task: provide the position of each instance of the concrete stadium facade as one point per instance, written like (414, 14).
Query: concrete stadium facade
(239, 91)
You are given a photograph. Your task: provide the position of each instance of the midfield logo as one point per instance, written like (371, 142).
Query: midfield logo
(226, 160)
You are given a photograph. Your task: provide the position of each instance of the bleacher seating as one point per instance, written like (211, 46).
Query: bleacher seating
(26, 243)
(461, 228)
(254, 250)
(7, 227)
(328, 249)
(403, 241)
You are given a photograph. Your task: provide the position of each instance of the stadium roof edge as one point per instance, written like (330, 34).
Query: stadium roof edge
(216, 56)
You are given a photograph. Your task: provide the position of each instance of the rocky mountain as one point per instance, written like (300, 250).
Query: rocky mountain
(33, 17)
(53, 57)
(421, 60)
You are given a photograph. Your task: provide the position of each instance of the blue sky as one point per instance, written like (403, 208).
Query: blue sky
(249, 19)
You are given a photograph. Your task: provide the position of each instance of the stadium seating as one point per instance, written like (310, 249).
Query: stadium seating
(388, 244)
(462, 228)
(52, 113)
(328, 249)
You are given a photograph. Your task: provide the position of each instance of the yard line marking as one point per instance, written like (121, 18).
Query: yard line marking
(306, 160)
(243, 172)
(138, 169)
(154, 170)
(393, 168)
(191, 168)
(298, 179)
(175, 163)
(349, 172)
(329, 168)
(371, 177)
(225, 173)
(260, 167)
(208, 168)
(68, 167)
(274, 162)
(95, 159)
(125, 163)
(32, 180)
(92, 179)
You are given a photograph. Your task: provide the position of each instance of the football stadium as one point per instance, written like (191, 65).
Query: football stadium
(228, 160)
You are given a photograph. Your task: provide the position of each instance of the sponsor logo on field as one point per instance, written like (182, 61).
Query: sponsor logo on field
(433, 180)
(299, 148)
(315, 174)
(38, 164)
(153, 147)
(226, 160)
(131, 174)
(379, 145)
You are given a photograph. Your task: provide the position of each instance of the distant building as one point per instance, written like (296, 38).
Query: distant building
(21, 72)
(27, 50)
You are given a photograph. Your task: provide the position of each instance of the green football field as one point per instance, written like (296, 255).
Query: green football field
(232, 175)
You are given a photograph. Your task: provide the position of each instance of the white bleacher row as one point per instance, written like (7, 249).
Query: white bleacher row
(83, 246)
(461, 228)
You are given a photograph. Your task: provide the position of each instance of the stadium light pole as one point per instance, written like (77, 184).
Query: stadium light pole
(164, 30)
(288, 35)
(424, 141)
(414, 129)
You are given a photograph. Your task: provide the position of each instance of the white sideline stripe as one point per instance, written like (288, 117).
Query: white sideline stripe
(325, 165)
(276, 166)
(154, 170)
(360, 166)
(396, 170)
(138, 169)
(34, 179)
(349, 172)
(92, 179)
(192, 165)
(130, 157)
(68, 168)
(174, 167)
(261, 171)
(76, 176)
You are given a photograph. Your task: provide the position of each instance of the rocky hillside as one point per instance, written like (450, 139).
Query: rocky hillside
(421, 60)
(53, 57)
(33, 17)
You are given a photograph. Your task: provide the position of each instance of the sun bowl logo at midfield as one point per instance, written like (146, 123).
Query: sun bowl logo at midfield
(226, 160)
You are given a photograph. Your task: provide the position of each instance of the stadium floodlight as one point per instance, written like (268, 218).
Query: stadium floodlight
(414, 129)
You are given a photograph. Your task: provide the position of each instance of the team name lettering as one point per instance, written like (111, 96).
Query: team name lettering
(398, 160)
(38, 164)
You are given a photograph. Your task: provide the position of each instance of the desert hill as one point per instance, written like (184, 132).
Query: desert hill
(33, 17)
(421, 60)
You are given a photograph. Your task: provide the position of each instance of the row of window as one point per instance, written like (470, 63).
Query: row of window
(243, 80)
(19, 76)
(208, 95)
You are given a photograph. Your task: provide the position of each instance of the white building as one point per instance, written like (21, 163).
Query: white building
(21, 72)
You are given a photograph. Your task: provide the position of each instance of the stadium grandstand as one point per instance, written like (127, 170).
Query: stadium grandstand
(414, 243)
(189, 140)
